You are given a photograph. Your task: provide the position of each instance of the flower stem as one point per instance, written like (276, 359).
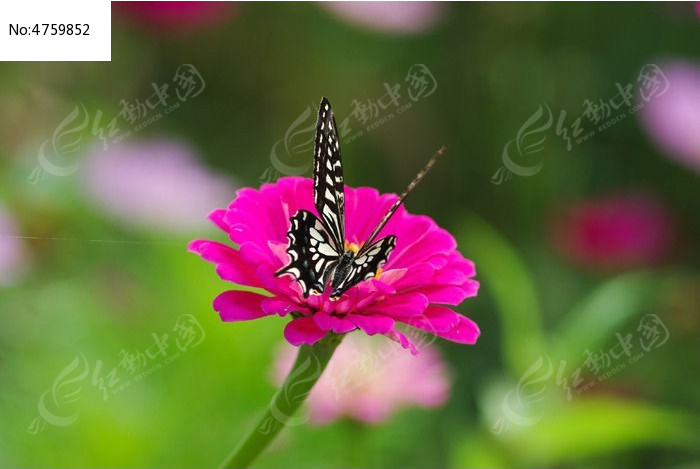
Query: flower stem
(308, 367)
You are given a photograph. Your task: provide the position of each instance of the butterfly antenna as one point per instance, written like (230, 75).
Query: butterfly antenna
(419, 177)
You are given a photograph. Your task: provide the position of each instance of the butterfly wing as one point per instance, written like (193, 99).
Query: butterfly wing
(312, 255)
(366, 265)
(329, 196)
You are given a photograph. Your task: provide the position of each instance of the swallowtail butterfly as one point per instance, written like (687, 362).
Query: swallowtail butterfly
(318, 251)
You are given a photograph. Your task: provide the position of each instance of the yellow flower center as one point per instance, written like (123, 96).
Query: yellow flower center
(352, 247)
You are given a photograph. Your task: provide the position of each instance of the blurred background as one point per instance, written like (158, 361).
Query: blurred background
(571, 180)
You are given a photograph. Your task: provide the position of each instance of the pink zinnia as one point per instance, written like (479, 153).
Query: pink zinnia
(175, 18)
(389, 17)
(672, 119)
(158, 184)
(620, 231)
(370, 382)
(424, 273)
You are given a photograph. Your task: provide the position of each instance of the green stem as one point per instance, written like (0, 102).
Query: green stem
(308, 367)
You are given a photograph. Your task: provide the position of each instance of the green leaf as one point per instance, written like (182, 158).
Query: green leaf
(602, 313)
(504, 275)
(601, 425)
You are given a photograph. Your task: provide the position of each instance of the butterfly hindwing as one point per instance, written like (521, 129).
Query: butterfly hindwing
(311, 252)
(366, 264)
(329, 196)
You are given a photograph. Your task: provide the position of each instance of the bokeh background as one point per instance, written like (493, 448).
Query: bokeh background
(586, 250)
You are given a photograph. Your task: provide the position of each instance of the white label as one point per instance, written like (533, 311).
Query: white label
(65, 30)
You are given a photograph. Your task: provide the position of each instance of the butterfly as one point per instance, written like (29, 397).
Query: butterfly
(318, 251)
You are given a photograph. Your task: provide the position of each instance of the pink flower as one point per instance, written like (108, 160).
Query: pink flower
(672, 119)
(424, 273)
(13, 252)
(616, 232)
(369, 382)
(392, 17)
(156, 184)
(172, 18)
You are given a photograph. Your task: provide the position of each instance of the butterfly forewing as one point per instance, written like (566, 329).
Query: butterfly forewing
(310, 251)
(329, 196)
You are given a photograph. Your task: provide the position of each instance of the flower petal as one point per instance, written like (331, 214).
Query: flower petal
(447, 324)
(229, 264)
(372, 324)
(403, 340)
(282, 306)
(217, 216)
(236, 305)
(402, 305)
(303, 330)
(333, 323)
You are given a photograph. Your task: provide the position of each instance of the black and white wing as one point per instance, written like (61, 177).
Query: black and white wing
(312, 256)
(329, 195)
(366, 265)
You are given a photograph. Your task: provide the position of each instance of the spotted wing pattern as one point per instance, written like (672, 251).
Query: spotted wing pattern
(329, 196)
(312, 255)
(366, 265)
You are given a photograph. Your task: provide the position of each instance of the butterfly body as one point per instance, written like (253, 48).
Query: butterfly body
(318, 251)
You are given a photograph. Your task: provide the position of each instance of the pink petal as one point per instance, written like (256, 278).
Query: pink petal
(447, 324)
(372, 324)
(282, 306)
(333, 323)
(303, 331)
(401, 305)
(229, 264)
(217, 216)
(235, 305)
(403, 340)
(446, 295)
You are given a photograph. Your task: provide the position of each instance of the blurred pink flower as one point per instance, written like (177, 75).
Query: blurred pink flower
(672, 119)
(369, 380)
(157, 184)
(13, 252)
(424, 273)
(697, 8)
(391, 17)
(174, 18)
(621, 231)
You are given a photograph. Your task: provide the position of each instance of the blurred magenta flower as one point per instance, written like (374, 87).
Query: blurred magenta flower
(621, 231)
(672, 119)
(390, 17)
(13, 252)
(423, 273)
(174, 18)
(156, 184)
(369, 381)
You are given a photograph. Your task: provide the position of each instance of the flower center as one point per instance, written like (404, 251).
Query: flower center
(354, 247)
